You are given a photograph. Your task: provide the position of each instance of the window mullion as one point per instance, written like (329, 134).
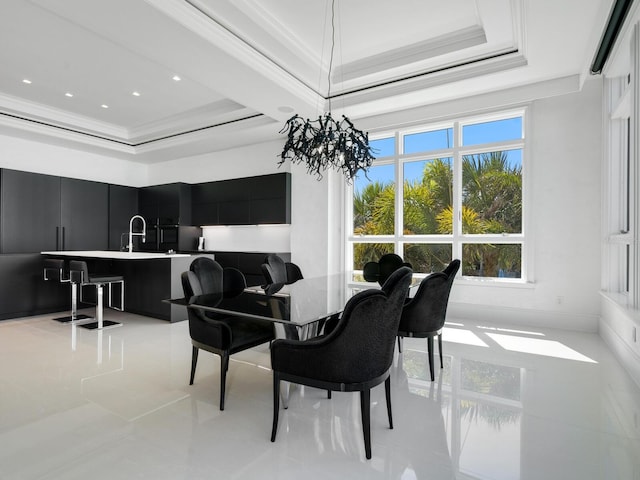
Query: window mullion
(457, 191)
(399, 200)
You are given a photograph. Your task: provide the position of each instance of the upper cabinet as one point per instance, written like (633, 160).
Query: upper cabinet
(168, 204)
(29, 212)
(84, 214)
(44, 212)
(123, 204)
(243, 201)
(271, 199)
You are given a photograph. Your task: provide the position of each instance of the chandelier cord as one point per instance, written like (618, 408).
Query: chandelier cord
(333, 44)
(326, 142)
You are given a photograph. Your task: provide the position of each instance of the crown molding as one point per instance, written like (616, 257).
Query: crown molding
(200, 23)
(218, 112)
(35, 127)
(446, 75)
(417, 52)
(53, 116)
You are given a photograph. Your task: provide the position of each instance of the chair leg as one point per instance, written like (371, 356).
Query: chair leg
(430, 350)
(224, 366)
(194, 361)
(440, 348)
(365, 406)
(387, 391)
(276, 405)
(399, 344)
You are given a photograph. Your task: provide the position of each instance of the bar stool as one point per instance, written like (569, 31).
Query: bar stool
(54, 270)
(79, 274)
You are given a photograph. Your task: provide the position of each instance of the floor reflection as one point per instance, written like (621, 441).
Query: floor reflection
(117, 404)
(481, 407)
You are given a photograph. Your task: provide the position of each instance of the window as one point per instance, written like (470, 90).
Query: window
(619, 254)
(461, 197)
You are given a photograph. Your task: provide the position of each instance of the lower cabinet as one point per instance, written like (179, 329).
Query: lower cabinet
(24, 291)
(249, 263)
(149, 282)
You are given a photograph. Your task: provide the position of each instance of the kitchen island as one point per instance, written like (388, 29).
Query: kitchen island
(149, 278)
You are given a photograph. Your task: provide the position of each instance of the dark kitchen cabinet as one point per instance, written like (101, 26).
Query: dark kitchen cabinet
(29, 212)
(149, 282)
(84, 214)
(249, 263)
(243, 201)
(204, 204)
(23, 290)
(271, 199)
(44, 212)
(168, 204)
(123, 204)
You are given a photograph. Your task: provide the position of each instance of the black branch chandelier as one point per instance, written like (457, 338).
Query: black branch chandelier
(326, 142)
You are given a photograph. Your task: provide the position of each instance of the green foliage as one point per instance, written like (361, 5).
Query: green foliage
(492, 203)
(493, 189)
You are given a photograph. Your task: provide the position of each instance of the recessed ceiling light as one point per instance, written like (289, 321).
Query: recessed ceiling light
(104, 106)
(135, 94)
(27, 81)
(176, 78)
(68, 94)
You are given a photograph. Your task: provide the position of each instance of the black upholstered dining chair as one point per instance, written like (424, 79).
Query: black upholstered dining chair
(215, 333)
(423, 316)
(276, 270)
(356, 356)
(379, 271)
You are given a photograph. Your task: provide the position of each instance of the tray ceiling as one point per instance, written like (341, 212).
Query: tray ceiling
(151, 80)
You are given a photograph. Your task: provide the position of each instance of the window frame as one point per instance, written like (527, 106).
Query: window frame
(618, 262)
(456, 239)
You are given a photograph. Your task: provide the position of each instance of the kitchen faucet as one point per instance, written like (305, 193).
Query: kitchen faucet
(143, 234)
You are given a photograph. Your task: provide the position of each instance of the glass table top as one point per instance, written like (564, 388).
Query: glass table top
(301, 303)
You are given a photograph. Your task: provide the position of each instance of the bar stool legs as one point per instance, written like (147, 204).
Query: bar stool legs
(100, 322)
(80, 276)
(54, 269)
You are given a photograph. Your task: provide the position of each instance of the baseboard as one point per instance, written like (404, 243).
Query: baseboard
(629, 360)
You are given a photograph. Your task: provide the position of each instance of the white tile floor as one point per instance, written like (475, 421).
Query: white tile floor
(510, 403)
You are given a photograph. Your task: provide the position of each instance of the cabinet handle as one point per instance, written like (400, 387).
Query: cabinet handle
(57, 238)
(63, 242)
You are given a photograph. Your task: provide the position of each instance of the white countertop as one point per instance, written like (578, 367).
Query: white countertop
(115, 255)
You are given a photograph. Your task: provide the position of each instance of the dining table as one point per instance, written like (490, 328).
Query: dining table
(298, 310)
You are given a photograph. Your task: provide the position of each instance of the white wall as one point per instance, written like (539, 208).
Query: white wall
(248, 238)
(248, 161)
(32, 156)
(564, 166)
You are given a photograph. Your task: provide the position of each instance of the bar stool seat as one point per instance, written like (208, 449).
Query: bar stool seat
(55, 270)
(79, 275)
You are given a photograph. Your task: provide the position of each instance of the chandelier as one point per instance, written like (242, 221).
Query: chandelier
(326, 142)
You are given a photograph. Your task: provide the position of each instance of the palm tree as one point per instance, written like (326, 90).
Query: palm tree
(493, 188)
(425, 198)
(363, 203)
(492, 203)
